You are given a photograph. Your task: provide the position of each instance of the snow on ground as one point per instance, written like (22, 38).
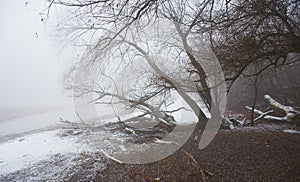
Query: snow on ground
(41, 141)
(291, 131)
(25, 151)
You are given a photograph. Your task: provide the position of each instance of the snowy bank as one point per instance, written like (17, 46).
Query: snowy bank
(25, 151)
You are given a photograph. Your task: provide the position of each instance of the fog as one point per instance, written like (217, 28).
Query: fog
(31, 65)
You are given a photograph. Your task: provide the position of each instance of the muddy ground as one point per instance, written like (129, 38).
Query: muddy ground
(260, 154)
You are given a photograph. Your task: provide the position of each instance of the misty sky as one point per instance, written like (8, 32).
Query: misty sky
(31, 66)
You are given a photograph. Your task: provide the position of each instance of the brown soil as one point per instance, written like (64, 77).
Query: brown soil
(259, 154)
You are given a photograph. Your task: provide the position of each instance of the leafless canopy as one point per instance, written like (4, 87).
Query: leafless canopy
(167, 45)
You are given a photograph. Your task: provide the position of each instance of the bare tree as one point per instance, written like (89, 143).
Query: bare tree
(256, 31)
(241, 33)
(156, 37)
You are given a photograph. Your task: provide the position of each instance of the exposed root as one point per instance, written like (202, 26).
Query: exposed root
(205, 174)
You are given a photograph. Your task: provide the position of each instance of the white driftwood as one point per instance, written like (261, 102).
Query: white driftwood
(274, 103)
(131, 131)
(290, 112)
(156, 140)
(264, 115)
(110, 157)
(242, 123)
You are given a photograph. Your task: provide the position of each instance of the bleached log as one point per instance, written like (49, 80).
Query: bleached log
(264, 115)
(110, 157)
(156, 140)
(274, 103)
(290, 112)
(131, 131)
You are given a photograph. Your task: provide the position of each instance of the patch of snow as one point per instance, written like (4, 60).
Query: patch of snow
(25, 151)
(61, 167)
(291, 131)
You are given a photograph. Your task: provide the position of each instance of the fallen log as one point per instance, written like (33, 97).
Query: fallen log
(110, 157)
(291, 115)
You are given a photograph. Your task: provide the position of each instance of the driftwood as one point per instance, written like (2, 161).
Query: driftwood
(110, 157)
(156, 140)
(140, 134)
(291, 115)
